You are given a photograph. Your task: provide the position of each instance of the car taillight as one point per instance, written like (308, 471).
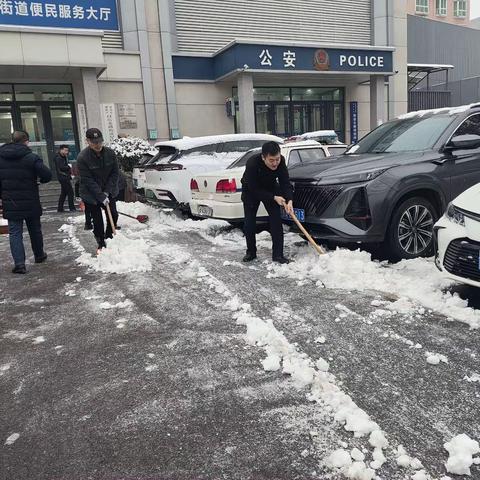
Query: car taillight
(358, 211)
(226, 186)
(165, 167)
(193, 185)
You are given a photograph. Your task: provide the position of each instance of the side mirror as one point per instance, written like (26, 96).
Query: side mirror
(463, 142)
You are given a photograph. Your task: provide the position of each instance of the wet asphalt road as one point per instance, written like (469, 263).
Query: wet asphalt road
(167, 388)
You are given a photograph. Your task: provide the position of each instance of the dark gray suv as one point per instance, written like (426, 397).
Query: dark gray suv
(394, 184)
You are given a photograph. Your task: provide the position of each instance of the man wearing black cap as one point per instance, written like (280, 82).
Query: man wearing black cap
(266, 180)
(98, 168)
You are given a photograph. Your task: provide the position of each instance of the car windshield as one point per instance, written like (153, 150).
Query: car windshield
(413, 134)
(242, 161)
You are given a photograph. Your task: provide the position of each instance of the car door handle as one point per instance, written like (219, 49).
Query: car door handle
(441, 161)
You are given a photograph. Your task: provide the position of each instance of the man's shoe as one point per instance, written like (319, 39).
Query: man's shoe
(59, 211)
(88, 226)
(19, 269)
(282, 260)
(100, 243)
(249, 257)
(73, 209)
(41, 259)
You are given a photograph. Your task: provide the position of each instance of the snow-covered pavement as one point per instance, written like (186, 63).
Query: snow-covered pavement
(189, 364)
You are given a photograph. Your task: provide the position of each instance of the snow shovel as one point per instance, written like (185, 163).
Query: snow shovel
(110, 218)
(314, 244)
(139, 218)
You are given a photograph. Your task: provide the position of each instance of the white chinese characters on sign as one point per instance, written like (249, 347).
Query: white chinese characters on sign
(266, 58)
(289, 59)
(52, 10)
(6, 7)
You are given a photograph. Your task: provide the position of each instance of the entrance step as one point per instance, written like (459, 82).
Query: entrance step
(49, 194)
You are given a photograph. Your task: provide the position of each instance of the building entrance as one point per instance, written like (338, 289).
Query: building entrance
(46, 112)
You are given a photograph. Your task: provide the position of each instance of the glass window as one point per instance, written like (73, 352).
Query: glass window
(312, 154)
(242, 161)
(460, 8)
(305, 94)
(6, 93)
(413, 134)
(45, 92)
(294, 158)
(6, 124)
(421, 6)
(441, 7)
(269, 94)
(334, 151)
(241, 146)
(471, 126)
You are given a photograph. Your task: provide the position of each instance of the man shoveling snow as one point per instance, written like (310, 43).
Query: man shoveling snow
(99, 172)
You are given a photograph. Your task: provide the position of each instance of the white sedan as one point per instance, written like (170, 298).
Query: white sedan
(458, 238)
(218, 194)
(167, 176)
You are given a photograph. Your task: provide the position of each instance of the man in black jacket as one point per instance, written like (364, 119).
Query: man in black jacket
(266, 180)
(98, 168)
(20, 170)
(64, 175)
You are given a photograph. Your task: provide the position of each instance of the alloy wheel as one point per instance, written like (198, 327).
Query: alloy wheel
(415, 229)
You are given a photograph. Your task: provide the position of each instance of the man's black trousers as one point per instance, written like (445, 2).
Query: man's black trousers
(250, 207)
(67, 190)
(96, 213)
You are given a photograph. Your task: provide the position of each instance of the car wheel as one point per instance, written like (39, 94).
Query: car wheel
(410, 234)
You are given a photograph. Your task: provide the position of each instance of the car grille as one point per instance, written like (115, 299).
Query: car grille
(462, 259)
(314, 199)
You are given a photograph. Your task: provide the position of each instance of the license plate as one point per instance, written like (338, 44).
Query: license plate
(299, 213)
(205, 211)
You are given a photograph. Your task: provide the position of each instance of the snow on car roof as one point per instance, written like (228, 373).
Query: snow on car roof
(436, 111)
(301, 144)
(319, 133)
(186, 143)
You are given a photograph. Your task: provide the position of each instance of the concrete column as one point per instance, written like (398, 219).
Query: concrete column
(92, 97)
(166, 9)
(245, 102)
(389, 22)
(377, 101)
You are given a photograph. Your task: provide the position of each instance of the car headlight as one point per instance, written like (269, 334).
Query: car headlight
(455, 215)
(353, 177)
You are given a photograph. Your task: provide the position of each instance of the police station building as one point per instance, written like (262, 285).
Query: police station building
(163, 69)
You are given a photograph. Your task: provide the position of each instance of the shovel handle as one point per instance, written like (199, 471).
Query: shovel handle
(110, 218)
(314, 244)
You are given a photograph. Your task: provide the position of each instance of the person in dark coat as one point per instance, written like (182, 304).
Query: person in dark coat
(98, 169)
(64, 175)
(20, 170)
(266, 180)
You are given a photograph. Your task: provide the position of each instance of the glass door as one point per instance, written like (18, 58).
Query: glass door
(63, 128)
(32, 121)
(6, 124)
(300, 119)
(282, 120)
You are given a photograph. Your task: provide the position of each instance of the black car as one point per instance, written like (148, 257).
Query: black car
(395, 183)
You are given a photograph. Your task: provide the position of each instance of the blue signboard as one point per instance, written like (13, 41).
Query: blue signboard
(275, 58)
(86, 14)
(353, 122)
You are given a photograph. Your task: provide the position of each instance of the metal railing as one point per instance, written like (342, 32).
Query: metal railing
(428, 99)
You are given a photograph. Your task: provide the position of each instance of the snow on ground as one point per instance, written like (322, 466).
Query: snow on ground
(461, 450)
(416, 285)
(416, 282)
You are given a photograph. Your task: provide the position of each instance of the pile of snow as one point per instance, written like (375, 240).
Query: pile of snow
(461, 450)
(122, 255)
(416, 282)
